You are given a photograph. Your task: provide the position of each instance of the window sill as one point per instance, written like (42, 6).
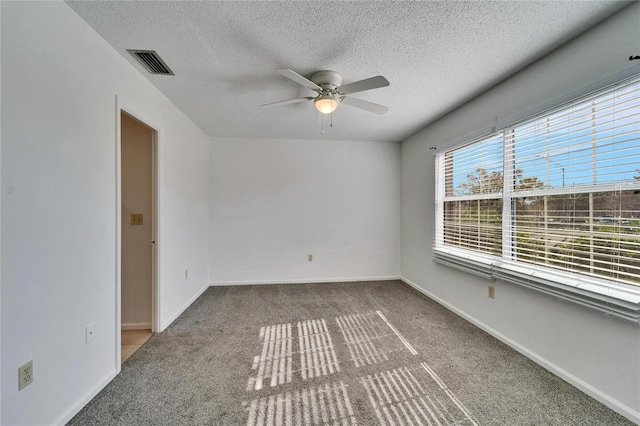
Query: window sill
(611, 298)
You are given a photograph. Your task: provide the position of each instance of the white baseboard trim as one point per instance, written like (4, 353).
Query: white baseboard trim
(303, 281)
(593, 392)
(84, 400)
(136, 326)
(167, 323)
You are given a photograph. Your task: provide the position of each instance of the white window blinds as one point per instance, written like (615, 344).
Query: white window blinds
(472, 204)
(576, 187)
(560, 192)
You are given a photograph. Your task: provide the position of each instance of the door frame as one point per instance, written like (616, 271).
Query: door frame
(122, 107)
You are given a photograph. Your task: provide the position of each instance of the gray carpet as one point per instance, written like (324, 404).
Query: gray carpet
(334, 353)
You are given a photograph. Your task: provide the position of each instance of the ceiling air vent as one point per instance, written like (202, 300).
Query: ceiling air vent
(151, 61)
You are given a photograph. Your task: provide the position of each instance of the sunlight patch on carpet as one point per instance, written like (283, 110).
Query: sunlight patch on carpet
(370, 338)
(390, 386)
(414, 396)
(314, 349)
(317, 354)
(324, 404)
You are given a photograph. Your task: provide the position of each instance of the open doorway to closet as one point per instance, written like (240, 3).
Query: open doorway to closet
(138, 225)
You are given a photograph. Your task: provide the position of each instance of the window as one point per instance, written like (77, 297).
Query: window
(557, 196)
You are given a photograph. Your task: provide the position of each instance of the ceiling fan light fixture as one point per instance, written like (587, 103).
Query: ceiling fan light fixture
(331, 92)
(326, 104)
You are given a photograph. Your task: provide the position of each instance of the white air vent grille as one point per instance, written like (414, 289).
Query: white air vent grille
(151, 61)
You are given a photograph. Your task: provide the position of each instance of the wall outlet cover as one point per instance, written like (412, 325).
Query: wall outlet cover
(25, 375)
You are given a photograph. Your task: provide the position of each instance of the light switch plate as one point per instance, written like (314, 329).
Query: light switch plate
(137, 219)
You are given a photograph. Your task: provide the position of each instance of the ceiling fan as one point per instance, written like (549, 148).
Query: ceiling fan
(327, 84)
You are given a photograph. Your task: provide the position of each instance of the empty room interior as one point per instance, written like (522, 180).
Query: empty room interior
(301, 213)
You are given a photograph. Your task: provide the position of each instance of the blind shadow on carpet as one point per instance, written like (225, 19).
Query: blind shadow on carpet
(365, 353)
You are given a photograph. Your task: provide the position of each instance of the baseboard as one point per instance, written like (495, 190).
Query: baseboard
(84, 400)
(303, 281)
(136, 326)
(593, 392)
(167, 323)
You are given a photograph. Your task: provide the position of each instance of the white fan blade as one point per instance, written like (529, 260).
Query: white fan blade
(298, 78)
(366, 105)
(362, 85)
(290, 101)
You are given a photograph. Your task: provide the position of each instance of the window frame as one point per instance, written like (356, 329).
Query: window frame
(613, 298)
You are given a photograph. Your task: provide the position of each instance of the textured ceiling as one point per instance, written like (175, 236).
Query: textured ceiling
(437, 55)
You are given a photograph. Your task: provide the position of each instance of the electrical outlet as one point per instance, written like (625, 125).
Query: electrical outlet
(492, 292)
(309, 258)
(25, 375)
(89, 332)
(186, 274)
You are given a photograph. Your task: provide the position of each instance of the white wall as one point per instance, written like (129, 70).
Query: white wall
(273, 202)
(598, 354)
(59, 87)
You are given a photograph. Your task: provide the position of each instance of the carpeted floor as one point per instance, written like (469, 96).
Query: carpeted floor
(334, 353)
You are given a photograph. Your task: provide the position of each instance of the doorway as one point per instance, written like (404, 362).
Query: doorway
(137, 233)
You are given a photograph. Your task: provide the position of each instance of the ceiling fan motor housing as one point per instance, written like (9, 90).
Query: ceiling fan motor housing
(328, 80)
